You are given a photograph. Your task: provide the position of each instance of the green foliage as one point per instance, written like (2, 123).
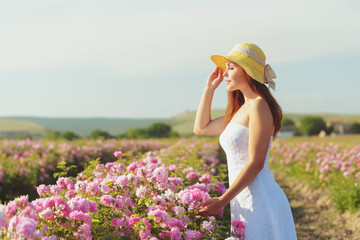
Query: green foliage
(97, 133)
(65, 171)
(90, 168)
(136, 133)
(346, 195)
(159, 130)
(53, 135)
(312, 125)
(24, 136)
(70, 135)
(174, 134)
(155, 130)
(355, 127)
(287, 122)
(297, 132)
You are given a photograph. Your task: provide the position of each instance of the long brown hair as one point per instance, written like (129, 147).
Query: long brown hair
(236, 100)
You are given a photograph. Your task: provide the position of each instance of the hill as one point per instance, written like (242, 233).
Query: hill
(83, 126)
(14, 128)
(184, 123)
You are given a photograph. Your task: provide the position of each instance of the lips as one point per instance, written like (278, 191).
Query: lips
(227, 82)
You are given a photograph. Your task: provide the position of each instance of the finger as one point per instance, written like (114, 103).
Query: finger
(219, 79)
(220, 73)
(207, 202)
(215, 70)
(203, 212)
(203, 209)
(214, 74)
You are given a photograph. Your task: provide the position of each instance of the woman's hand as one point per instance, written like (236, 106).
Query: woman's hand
(211, 207)
(214, 79)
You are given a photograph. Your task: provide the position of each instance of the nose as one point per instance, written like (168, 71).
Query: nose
(225, 74)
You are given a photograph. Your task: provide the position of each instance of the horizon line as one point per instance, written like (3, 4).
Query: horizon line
(149, 117)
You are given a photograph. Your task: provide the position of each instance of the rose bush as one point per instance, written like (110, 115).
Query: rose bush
(153, 196)
(332, 167)
(28, 163)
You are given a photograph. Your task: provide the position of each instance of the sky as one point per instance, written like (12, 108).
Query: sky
(146, 59)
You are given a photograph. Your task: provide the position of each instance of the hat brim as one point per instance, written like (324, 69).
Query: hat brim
(220, 61)
(244, 62)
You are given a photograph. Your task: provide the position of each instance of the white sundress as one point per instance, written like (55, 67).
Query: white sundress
(263, 204)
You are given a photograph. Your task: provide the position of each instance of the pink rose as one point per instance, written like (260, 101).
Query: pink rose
(134, 220)
(117, 153)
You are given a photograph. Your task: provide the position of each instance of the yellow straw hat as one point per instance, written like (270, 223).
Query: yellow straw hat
(252, 59)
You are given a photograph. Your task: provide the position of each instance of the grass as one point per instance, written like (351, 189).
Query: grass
(314, 213)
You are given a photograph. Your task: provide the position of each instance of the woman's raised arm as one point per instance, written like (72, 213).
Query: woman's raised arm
(204, 126)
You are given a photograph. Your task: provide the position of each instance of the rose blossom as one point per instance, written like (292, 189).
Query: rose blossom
(117, 153)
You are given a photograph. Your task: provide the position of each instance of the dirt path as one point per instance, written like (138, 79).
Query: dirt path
(314, 214)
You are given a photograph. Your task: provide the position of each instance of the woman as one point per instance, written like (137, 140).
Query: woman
(252, 120)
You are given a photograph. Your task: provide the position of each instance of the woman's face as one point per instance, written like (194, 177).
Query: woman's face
(235, 76)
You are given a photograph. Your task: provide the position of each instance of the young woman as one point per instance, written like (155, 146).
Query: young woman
(252, 120)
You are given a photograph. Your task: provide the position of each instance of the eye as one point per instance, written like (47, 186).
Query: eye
(229, 66)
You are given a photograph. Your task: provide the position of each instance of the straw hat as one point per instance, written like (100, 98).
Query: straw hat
(252, 59)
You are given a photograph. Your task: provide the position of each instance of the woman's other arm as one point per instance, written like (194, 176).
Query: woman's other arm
(204, 126)
(260, 131)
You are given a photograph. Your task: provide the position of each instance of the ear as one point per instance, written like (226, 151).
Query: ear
(248, 78)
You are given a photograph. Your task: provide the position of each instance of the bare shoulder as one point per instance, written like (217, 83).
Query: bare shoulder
(260, 106)
(260, 112)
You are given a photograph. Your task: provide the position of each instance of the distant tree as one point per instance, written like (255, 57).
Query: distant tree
(297, 132)
(312, 125)
(155, 130)
(69, 135)
(174, 134)
(287, 122)
(120, 136)
(24, 136)
(136, 133)
(53, 135)
(97, 133)
(159, 130)
(355, 127)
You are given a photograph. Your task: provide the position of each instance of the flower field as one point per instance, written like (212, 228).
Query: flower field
(334, 167)
(155, 195)
(27, 163)
(147, 189)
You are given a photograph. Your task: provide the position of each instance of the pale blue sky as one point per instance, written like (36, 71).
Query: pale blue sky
(69, 58)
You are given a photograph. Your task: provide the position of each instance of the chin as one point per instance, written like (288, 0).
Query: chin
(231, 89)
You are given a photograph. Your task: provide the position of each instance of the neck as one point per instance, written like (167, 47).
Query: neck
(248, 93)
